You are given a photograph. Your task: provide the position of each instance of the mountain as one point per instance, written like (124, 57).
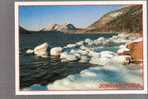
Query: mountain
(60, 27)
(127, 19)
(22, 30)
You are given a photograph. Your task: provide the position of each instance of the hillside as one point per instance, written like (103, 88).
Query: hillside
(127, 19)
(23, 30)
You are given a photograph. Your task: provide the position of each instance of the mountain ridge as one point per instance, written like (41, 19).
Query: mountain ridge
(125, 20)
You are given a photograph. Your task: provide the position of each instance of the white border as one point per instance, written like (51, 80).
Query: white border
(18, 92)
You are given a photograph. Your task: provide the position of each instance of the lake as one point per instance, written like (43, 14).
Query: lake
(37, 73)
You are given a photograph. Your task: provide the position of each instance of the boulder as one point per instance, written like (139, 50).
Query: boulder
(56, 51)
(136, 51)
(41, 50)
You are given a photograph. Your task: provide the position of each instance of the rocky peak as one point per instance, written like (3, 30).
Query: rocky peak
(59, 27)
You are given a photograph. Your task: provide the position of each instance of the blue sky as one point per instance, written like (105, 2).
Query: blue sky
(37, 17)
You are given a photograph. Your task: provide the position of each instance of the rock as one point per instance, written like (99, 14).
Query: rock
(56, 51)
(136, 51)
(29, 51)
(41, 50)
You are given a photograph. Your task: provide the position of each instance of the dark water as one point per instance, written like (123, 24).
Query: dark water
(36, 70)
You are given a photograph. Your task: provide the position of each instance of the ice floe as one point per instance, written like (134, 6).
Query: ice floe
(93, 77)
(29, 51)
(56, 51)
(41, 50)
(110, 67)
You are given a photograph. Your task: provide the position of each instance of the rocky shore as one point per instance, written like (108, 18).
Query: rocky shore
(136, 50)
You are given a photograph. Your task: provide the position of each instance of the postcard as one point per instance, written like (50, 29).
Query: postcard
(89, 47)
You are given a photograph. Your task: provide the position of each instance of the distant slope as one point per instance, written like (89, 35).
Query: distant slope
(127, 19)
(22, 30)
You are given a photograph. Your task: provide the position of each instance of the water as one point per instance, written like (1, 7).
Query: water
(51, 74)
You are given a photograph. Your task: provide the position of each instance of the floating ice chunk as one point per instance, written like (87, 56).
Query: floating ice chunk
(83, 52)
(80, 43)
(86, 48)
(107, 54)
(77, 55)
(73, 51)
(83, 47)
(123, 59)
(107, 42)
(122, 46)
(41, 50)
(99, 61)
(72, 58)
(93, 54)
(87, 40)
(56, 51)
(68, 57)
(101, 39)
(90, 43)
(122, 50)
(84, 59)
(87, 73)
(71, 45)
(63, 55)
(98, 42)
(29, 51)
